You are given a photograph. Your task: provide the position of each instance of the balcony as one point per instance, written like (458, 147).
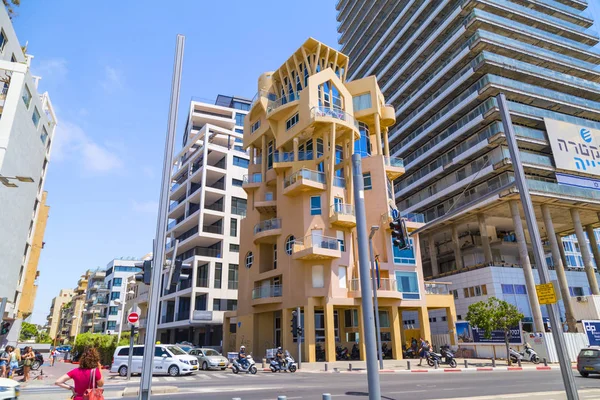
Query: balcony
(438, 294)
(252, 182)
(101, 287)
(267, 231)
(326, 114)
(274, 106)
(437, 287)
(304, 180)
(387, 289)
(316, 247)
(343, 215)
(282, 159)
(272, 292)
(394, 167)
(266, 206)
(215, 229)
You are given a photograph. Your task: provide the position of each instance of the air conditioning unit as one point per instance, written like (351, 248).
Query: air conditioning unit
(582, 299)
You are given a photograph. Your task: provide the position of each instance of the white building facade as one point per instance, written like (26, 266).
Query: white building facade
(207, 204)
(118, 274)
(27, 123)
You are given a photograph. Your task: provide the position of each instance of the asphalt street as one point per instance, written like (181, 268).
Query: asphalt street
(546, 385)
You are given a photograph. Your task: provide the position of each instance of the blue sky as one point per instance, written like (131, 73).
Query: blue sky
(107, 67)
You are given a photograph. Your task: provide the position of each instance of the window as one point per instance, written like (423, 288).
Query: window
(218, 275)
(234, 248)
(238, 206)
(289, 244)
(520, 289)
(239, 119)
(35, 117)
(576, 291)
(237, 182)
(291, 122)
(126, 269)
(472, 291)
(240, 162)
(3, 40)
(216, 304)
(26, 96)
(351, 318)
(231, 305)
(484, 290)
(249, 259)
(455, 294)
(319, 148)
(233, 276)
(466, 292)
(361, 102)
(117, 281)
(408, 284)
(238, 130)
(115, 295)
(340, 239)
(315, 205)
(255, 126)
(318, 279)
(113, 310)
(406, 256)
(508, 289)
(202, 276)
(274, 256)
(233, 223)
(124, 351)
(320, 326)
(112, 325)
(384, 319)
(241, 106)
(367, 181)
(44, 135)
(342, 277)
(477, 290)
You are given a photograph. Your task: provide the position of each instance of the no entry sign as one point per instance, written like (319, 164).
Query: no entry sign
(133, 317)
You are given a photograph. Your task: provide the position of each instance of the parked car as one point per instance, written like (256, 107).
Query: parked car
(168, 359)
(35, 365)
(210, 359)
(9, 389)
(64, 349)
(185, 347)
(588, 361)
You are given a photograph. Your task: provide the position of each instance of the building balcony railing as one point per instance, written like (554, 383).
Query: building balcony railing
(394, 162)
(283, 156)
(165, 319)
(321, 111)
(216, 206)
(267, 225)
(264, 292)
(385, 284)
(275, 104)
(343, 215)
(535, 185)
(216, 229)
(304, 179)
(252, 181)
(437, 287)
(217, 185)
(99, 287)
(315, 246)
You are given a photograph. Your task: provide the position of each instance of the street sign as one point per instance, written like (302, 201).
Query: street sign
(395, 213)
(546, 293)
(133, 317)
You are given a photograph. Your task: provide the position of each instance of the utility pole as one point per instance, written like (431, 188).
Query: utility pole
(299, 335)
(538, 251)
(374, 229)
(159, 250)
(363, 258)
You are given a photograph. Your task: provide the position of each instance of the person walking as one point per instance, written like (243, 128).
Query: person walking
(13, 363)
(85, 378)
(424, 350)
(4, 359)
(28, 358)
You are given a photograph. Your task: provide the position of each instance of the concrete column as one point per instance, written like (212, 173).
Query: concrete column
(589, 229)
(309, 330)
(538, 322)
(295, 144)
(585, 252)
(226, 335)
(377, 136)
(561, 249)
(451, 319)
(396, 325)
(263, 162)
(251, 162)
(435, 269)
(456, 244)
(555, 247)
(424, 323)
(485, 240)
(329, 333)
(386, 142)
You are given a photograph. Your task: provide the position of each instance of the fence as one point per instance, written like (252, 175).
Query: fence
(543, 344)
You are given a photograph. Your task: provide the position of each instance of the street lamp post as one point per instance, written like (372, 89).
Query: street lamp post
(122, 313)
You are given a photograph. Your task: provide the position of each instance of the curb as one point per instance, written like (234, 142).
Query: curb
(441, 370)
(155, 390)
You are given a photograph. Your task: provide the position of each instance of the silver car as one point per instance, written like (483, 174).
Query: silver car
(588, 361)
(209, 359)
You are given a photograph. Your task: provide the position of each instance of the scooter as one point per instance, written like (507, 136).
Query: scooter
(320, 353)
(528, 355)
(289, 364)
(386, 351)
(237, 367)
(408, 353)
(341, 353)
(355, 355)
(445, 356)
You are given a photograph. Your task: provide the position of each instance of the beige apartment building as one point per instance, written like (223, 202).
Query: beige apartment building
(54, 317)
(298, 242)
(72, 312)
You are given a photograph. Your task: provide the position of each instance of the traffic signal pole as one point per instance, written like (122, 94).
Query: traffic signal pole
(299, 336)
(160, 241)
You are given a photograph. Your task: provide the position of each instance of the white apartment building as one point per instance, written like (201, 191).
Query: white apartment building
(27, 123)
(118, 274)
(207, 204)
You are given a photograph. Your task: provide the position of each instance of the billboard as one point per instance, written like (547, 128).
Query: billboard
(472, 335)
(576, 148)
(592, 329)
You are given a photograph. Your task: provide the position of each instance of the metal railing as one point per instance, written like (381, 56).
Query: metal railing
(318, 241)
(342, 115)
(339, 181)
(252, 178)
(394, 162)
(343, 209)
(217, 185)
(267, 225)
(304, 173)
(216, 206)
(437, 287)
(275, 104)
(388, 284)
(263, 292)
(218, 229)
(414, 217)
(280, 156)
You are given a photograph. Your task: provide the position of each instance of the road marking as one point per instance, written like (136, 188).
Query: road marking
(170, 379)
(220, 376)
(546, 395)
(203, 376)
(189, 378)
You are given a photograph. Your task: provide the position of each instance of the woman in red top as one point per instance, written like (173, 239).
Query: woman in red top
(88, 363)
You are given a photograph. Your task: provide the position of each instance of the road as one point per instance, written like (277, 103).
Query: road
(534, 385)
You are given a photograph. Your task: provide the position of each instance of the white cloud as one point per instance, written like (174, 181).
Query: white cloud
(71, 142)
(51, 70)
(113, 79)
(148, 207)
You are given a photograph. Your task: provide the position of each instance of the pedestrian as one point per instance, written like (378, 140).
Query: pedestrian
(424, 351)
(14, 359)
(4, 359)
(53, 356)
(86, 377)
(28, 358)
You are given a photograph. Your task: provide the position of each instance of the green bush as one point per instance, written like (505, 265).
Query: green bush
(105, 344)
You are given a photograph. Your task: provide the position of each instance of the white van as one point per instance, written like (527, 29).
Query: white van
(168, 359)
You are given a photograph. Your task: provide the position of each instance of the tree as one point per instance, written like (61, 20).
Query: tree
(43, 337)
(492, 315)
(9, 6)
(28, 331)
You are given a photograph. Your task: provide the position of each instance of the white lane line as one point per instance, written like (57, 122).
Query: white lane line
(188, 378)
(219, 376)
(170, 379)
(203, 377)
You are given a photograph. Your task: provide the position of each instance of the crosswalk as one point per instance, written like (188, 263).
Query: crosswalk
(215, 377)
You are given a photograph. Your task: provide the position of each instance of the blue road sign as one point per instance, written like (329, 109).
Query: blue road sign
(395, 213)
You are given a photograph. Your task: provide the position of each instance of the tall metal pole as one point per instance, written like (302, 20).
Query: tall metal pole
(363, 259)
(159, 251)
(299, 336)
(375, 301)
(538, 251)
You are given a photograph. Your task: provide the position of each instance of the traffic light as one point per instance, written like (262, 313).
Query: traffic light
(146, 274)
(178, 274)
(399, 234)
(294, 324)
(4, 328)
(299, 331)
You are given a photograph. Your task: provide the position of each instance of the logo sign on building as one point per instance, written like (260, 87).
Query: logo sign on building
(576, 148)
(472, 335)
(592, 329)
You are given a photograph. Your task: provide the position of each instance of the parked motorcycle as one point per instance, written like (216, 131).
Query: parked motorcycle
(445, 356)
(237, 367)
(386, 351)
(528, 355)
(409, 353)
(289, 364)
(320, 353)
(355, 355)
(341, 353)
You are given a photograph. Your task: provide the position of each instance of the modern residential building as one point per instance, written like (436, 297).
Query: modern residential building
(442, 65)
(95, 310)
(31, 272)
(118, 274)
(54, 317)
(298, 243)
(207, 204)
(27, 123)
(73, 314)
(137, 296)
